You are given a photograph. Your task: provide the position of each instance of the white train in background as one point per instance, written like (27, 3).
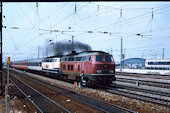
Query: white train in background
(157, 66)
(162, 64)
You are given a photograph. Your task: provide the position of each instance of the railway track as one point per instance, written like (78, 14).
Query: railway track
(100, 105)
(144, 82)
(150, 74)
(161, 98)
(139, 89)
(39, 100)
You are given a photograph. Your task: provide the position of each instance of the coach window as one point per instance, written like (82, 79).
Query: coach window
(168, 63)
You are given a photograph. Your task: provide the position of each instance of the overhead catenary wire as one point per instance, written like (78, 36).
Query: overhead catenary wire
(59, 22)
(87, 32)
(25, 15)
(132, 18)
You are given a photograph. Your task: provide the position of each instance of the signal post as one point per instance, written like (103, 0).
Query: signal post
(7, 96)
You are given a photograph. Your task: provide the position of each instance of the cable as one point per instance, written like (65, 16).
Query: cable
(56, 10)
(68, 16)
(132, 19)
(25, 15)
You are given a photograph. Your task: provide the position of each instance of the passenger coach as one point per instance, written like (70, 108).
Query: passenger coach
(51, 64)
(89, 67)
(162, 64)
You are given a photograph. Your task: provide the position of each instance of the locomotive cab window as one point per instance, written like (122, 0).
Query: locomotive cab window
(109, 58)
(100, 58)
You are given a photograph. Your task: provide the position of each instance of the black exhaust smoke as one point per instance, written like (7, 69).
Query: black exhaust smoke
(63, 48)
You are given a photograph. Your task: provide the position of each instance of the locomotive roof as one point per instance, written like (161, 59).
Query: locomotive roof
(86, 53)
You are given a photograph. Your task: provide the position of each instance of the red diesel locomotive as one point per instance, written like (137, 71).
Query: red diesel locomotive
(89, 68)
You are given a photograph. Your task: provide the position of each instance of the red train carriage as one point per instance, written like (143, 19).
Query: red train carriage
(89, 67)
(20, 65)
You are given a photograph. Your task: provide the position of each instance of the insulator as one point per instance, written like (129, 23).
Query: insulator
(90, 31)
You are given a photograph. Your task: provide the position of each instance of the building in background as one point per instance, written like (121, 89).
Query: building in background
(134, 63)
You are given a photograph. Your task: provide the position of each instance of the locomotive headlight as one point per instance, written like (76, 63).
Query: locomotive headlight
(99, 71)
(111, 71)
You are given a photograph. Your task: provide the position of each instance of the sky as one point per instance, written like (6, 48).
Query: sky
(143, 26)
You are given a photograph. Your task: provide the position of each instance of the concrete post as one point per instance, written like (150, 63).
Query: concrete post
(7, 103)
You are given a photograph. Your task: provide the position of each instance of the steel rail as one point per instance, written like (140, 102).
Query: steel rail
(161, 93)
(167, 86)
(143, 81)
(91, 101)
(138, 96)
(42, 95)
(122, 73)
